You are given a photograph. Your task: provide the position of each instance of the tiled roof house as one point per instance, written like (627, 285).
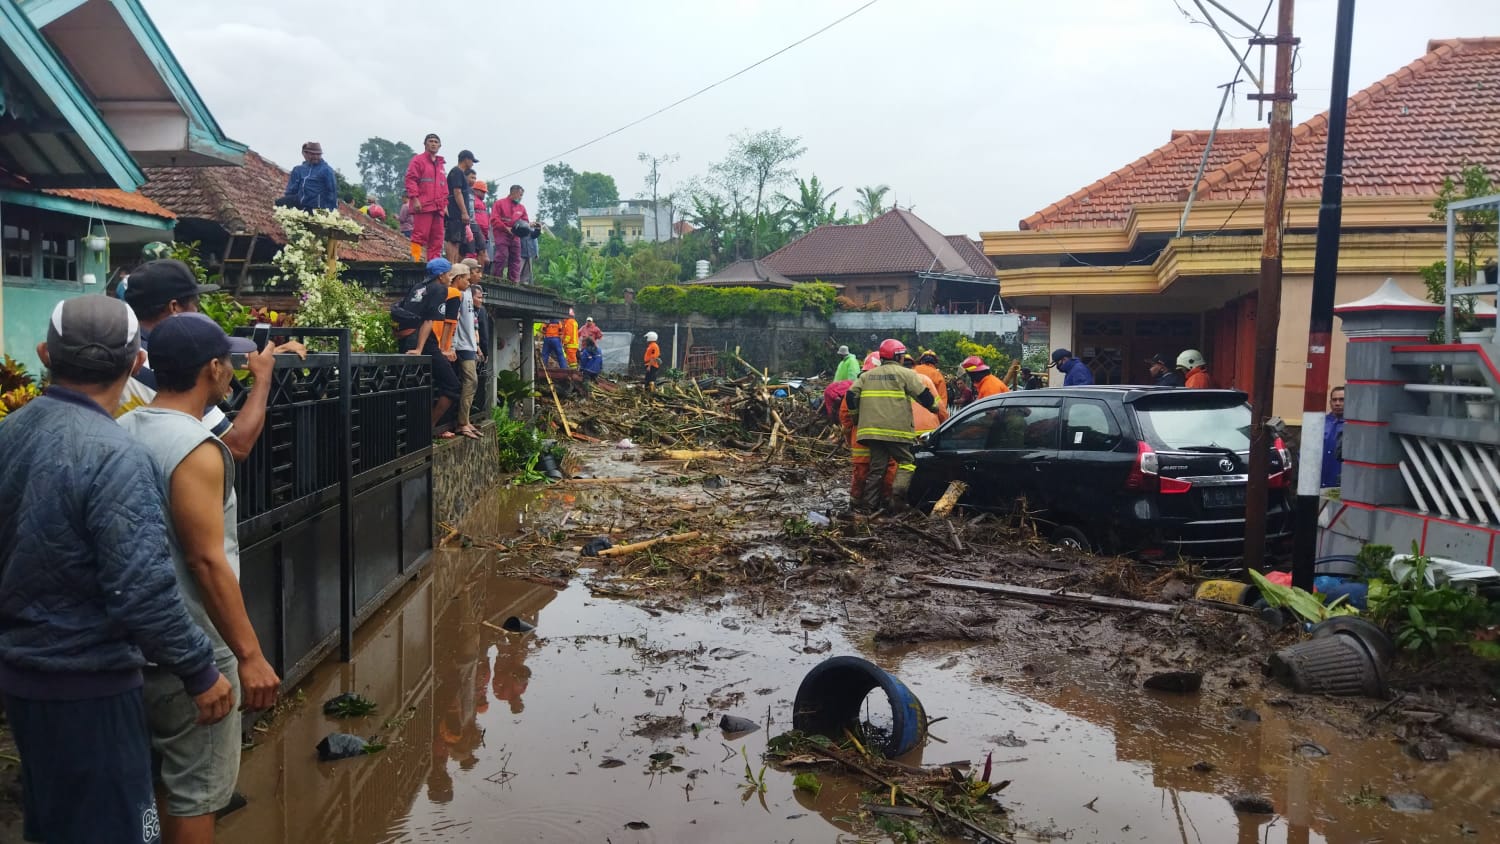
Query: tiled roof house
(896, 260)
(1105, 269)
(228, 210)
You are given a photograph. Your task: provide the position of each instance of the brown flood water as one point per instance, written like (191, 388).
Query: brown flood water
(494, 736)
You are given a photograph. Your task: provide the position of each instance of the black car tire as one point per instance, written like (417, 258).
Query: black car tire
(1071, 537)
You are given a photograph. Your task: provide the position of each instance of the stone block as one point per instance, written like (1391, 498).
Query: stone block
(1371, 444)
(1458, 542)
(1376, 486)
(1377, 402)
(1397, 529)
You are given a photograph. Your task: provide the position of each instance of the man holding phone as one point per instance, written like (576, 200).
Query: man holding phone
(159, 289)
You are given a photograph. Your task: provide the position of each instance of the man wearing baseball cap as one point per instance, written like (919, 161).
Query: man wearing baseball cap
(160, 289)
(87, 591)
(195, 475)
(460, 200)
(1163, 374)
(312, 184)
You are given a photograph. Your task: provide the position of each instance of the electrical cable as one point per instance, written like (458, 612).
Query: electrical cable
(705, 89)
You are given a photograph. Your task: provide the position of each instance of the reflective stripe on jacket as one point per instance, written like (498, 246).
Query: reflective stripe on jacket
(880, 402)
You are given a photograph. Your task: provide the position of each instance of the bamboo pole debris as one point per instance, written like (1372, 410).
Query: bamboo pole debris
(622, 550)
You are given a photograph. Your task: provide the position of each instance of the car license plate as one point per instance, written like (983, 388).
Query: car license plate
(1224, 496)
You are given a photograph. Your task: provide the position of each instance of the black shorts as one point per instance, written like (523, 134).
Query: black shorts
(453, 229)
(85, 769)
(444, 379)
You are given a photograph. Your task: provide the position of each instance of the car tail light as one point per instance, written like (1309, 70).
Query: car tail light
(1174, 486)
(1143, 474)
(1284, 453)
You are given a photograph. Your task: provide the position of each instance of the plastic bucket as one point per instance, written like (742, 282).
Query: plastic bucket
(1330, 665)
(1370, 635)
(829, 699)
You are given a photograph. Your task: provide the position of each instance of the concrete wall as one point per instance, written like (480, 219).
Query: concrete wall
(464, 471)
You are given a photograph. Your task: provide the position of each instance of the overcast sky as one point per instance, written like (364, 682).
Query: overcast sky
(975, 112)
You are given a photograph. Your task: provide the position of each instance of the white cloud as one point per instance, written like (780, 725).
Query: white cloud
(978, 111)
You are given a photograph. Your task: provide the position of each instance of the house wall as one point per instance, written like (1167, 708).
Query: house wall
(36, 281)
(893, 291)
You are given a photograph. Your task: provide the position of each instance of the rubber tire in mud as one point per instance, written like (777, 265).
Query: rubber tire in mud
(829, 699)
(1071, 537)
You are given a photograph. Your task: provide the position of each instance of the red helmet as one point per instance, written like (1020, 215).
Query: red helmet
(892, 349)
(974, 363)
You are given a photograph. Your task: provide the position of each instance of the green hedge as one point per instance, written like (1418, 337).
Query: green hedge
(728, 302)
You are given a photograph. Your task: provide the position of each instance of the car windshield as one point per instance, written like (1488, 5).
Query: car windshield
(1196, 426)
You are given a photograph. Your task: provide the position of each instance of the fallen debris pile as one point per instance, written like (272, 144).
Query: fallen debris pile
(710, 414)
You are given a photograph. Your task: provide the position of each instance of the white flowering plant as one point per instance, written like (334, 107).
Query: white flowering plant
(327, 301)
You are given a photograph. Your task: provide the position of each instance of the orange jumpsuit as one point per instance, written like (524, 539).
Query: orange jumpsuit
(570, 341)
(859, 458)
(939, 382)
(990, 385)
(1197, 379)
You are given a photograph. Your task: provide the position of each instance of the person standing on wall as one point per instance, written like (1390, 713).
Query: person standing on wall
(503, 219)
(428, 200)
(460, 200)
(311, 185)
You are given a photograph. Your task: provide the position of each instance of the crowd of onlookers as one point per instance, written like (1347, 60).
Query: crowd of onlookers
(126, 653)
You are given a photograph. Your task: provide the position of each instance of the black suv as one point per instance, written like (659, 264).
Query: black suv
(1151, 472)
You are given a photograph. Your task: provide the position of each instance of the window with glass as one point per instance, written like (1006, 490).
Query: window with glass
(17, 245)
(1090, 427)
(59, 257)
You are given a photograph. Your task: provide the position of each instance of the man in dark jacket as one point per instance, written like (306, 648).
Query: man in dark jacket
(312, 185)
(1163, 374)
(87, 590)
(1075, 372)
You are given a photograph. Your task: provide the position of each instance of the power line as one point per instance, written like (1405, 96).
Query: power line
(705, 89)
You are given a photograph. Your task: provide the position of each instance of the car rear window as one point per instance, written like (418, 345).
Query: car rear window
(1187, 424)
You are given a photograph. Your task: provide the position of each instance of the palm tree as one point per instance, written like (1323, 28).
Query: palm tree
(811, 208)
(872, 201)
(710, 216)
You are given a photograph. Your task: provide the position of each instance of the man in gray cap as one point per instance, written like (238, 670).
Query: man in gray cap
(87, 590)
(312, 184)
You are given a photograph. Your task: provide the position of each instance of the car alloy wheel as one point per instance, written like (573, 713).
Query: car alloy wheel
(1071, 537)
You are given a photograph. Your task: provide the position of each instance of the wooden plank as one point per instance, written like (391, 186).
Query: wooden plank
(620, 550)
(944, 505)
(1046, 596)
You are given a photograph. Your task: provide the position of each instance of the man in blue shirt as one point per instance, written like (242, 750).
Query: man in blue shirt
(1075, 372)
(312, 184)
(1333, 439)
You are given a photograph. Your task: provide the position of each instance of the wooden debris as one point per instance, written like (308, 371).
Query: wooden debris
(950, 497)
(1045, 596)
(621, 550)
(689, 454)
(594, 481)
(567, 429)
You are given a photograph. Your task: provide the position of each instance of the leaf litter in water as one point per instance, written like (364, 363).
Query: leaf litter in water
(611, 762)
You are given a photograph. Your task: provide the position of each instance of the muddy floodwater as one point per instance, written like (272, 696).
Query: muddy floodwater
(601, 726)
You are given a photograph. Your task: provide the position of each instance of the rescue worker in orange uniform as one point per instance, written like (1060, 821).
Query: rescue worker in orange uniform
(652, 360)
(985, 382)
(927, 365)
(570, 339)
(552, 345)
(924, 421)
(1195, 370)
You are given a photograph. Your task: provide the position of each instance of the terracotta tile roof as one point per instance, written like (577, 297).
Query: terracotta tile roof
(1405, 133)
(241, 199)
(972, 251)
(895, 242)
(112, 198)
(1163, 175)
(748, 274)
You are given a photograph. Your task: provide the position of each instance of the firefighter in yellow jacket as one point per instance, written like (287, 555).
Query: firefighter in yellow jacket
(880, 403)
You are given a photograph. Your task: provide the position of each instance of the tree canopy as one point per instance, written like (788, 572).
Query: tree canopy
(382, 168)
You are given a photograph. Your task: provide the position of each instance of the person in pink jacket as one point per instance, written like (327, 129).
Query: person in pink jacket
(483, 240)
(503, 218)
(427, 191)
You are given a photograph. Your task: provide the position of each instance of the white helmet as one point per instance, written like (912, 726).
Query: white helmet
(1190, 359)
(650, 336)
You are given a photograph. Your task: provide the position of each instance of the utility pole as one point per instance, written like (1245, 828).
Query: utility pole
(1268, 299)
(1320, 318)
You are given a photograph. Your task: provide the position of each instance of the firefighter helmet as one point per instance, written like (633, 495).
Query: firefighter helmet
(892, 349)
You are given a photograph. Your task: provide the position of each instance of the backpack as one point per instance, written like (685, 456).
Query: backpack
(402, 313)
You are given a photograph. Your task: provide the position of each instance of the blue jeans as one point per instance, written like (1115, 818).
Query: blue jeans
(553, 346)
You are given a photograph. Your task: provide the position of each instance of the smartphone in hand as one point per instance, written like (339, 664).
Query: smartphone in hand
(261, 335)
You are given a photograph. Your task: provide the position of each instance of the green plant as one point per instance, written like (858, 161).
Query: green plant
(796, 527)
(1305, 604)
(1373, 561)
(350, 706)
(1474, 234)
(510, 387)
(326, 301)
(807, 781)
(17, 386)
(1425, 617)
(756, 783)
(728, 302)
(521, 447)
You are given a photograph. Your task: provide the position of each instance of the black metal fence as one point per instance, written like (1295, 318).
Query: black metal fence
(335, 499)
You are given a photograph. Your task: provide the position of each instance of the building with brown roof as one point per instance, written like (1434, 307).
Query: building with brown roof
(896, 260)
(227, 210)
(747, 273)
(1123, 269)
